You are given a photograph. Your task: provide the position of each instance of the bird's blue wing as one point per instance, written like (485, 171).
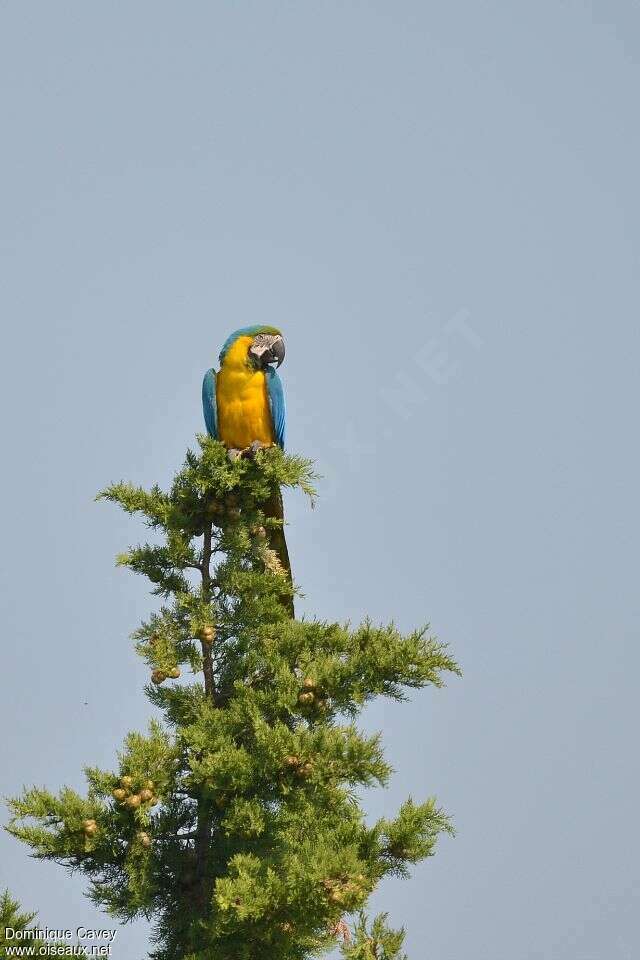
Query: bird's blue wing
(277, 405)
(209, 407)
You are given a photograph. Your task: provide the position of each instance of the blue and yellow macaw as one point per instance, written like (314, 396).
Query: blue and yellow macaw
(244, 408)
(244, 402)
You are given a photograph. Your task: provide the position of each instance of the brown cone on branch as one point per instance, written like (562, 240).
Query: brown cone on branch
(340, 929)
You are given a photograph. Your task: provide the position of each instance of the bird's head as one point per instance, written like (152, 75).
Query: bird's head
(264, 345)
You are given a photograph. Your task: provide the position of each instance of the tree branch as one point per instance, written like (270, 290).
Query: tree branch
(207, 655)
(203, 830)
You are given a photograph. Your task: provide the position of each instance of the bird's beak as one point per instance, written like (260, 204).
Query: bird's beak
(277, 351)
(267, 349)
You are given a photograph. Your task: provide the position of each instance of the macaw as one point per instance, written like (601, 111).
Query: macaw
(244, 408)
(244, 402)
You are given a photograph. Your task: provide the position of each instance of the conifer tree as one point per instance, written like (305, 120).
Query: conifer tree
(17, 931)
(12, 919)
(234, 825)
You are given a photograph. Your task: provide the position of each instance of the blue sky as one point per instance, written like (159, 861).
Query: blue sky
(438, 204)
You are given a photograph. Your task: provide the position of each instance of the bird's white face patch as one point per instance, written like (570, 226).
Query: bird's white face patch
(261, 343)
(266, 348)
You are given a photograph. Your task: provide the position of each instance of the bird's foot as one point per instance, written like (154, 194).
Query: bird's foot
(250, 452)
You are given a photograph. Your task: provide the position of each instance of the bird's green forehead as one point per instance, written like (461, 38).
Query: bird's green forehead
(247, 332)
(272, 330)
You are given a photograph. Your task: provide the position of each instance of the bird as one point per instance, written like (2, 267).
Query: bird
(244, 408)
(244, 402)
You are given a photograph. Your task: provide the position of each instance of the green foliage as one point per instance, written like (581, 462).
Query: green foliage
(12, 917)
(234, 825)
(16, 930)
(378, 942)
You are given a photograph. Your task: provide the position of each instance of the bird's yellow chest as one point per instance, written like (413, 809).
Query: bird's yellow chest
(242, 401)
